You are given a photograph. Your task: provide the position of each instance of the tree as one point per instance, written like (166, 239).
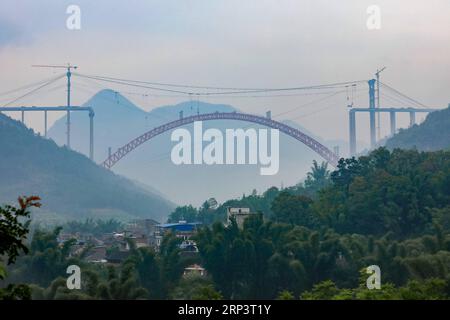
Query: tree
(386, 191)
(294, 209)
(13, 232)
(325, 290)
(47, 259)
(95, 227)
(318, 177)
(184, 213)
(285, 295)
(170, 264)
(148, 267)
(196, 287)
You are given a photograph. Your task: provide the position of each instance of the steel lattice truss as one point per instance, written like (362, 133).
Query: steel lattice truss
(323, 151)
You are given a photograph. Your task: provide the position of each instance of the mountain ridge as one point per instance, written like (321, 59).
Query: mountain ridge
(431, 135)
(150, 163)
(71, 186)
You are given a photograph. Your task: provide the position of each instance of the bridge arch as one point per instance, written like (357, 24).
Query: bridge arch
(313, 144)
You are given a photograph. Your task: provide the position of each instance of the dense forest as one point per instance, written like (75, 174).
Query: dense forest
(72, 186)
(310, 241)
(431, 135)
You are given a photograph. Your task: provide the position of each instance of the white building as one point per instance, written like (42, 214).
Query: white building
(240, 214)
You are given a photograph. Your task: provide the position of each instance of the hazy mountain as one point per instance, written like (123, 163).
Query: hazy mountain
(431, 135)
(69, 184)
(117, 121)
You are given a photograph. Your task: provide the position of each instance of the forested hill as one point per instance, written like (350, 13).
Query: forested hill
(70, 185)
(431, 135)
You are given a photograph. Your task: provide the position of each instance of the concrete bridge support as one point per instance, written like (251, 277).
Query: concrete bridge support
(393, 124)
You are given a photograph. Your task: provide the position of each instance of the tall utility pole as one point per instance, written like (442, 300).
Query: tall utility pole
(377, 74)
(68, 74)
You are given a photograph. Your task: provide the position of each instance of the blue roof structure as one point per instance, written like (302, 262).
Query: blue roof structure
(180, 226)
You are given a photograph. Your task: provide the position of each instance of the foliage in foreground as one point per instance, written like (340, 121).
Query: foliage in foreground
(391, 209)
(13, 231)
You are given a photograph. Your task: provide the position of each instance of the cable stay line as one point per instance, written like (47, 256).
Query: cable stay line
(156, 95)
(217, 88)
(235, 91)
(134, 85)
(419, 104)
(308, 103)
(396, 99)
(316, 111)
(34, 90)
(27, 86)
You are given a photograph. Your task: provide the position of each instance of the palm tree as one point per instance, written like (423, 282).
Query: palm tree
(318, 177)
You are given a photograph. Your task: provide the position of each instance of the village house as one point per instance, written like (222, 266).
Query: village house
(194, 269)
(144, 232)
(239, 214)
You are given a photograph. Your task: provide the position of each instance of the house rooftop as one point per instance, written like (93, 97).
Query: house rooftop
(171, 225)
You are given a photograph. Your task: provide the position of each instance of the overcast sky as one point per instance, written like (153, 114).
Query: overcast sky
(239, 43)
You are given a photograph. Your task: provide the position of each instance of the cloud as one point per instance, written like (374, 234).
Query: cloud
(9, 33)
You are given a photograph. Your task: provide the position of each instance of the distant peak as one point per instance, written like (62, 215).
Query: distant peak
(108, 93)
(192, 107)
(111, 98)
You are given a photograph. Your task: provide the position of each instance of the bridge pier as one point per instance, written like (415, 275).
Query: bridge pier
(352, 121)
(412, 118)
(392, 119)
(45, 123)
(91, 135)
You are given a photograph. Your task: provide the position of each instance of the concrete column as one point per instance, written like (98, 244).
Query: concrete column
(91, 135)
(412, 118)
(45, 123)
(393, 125)
(352, 126)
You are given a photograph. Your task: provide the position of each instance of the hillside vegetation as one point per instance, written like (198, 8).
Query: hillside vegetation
(311, 241)
(71, 186)
(431, 135)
